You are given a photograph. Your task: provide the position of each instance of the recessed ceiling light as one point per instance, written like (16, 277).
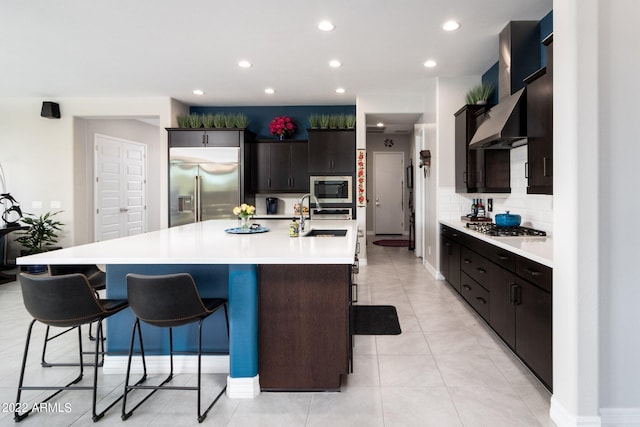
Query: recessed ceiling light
(380, 124)
(430, 63)
(451, 25)
(334, 63)
(269, 91)
(198, 92)
(244, 64)
(326, 26)
(340, 90)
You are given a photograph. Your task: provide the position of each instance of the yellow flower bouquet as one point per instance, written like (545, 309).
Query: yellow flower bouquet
(244, 212)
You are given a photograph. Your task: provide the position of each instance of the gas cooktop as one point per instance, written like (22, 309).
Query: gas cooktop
(491, 229)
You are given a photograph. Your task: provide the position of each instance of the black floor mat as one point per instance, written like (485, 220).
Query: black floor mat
(374, 320)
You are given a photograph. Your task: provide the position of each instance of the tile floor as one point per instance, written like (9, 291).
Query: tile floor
(445, 369)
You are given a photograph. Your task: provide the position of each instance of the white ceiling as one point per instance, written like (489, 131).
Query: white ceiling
(122, 48)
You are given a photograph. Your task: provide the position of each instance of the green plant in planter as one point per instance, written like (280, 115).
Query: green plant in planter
(341, 121)
(314, 121)
(195, 120)
(350, 121)
(183, 121)
(324, 121)
(42, 233)
(479, 94)
(333, 121)
(229, 121)
(218, 120)
(207, 120)
(241, 121)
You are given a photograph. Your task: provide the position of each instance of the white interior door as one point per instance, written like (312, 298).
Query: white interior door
(120, 187)
(388, 190)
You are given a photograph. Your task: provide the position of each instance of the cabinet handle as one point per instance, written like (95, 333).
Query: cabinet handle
(526, 170)
(464, 177)
(481, 300)
(534, 273)
(481, 270)
(466, 287)
(467, 261)
(269, 182)
(544, 166)
(354, 292)
(517, 294)
(512, 292)
(454, 234)
(447, 244)
(502, 257)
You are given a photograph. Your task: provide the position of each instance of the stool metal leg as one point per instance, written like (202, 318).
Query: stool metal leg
(19, 416)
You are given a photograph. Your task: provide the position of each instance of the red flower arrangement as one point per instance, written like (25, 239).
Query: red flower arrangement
(282, 126)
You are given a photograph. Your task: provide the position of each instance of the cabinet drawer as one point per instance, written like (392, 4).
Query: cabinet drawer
(451, 233)
(476, 295)
(477, 266)
(538, 274)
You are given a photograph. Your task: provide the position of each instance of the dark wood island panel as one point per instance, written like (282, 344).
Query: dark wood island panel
(303, 326)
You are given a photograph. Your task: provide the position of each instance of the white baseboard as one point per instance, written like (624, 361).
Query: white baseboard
(563, 418)
(160, 364)
(237, 388)
(620, 417)
(243, 388)
(435, 273)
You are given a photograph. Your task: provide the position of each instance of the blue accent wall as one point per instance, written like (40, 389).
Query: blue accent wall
(491, 78)
(546, 28)
(261, 116)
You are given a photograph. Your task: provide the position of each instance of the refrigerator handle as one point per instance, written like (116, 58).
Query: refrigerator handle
(196, 193)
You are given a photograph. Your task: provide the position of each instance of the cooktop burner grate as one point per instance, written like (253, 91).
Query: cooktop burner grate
(493, 230)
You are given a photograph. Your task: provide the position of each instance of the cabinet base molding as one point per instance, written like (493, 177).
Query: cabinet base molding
(563, 418)
(243, 388)
(434, 272)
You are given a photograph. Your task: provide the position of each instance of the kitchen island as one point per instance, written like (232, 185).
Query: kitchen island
(229, 266)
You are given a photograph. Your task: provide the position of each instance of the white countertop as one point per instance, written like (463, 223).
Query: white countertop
(207, 243)
(539, 249)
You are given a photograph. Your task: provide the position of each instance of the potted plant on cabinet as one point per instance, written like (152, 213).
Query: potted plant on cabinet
(479, 94)
(41, 236)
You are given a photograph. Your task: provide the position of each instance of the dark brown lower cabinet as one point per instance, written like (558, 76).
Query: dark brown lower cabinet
(303, 326)
(513, 294)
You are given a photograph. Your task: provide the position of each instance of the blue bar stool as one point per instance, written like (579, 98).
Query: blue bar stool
(66, 301)
(168, 301)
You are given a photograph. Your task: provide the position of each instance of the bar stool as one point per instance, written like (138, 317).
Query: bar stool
(168, 301)
(64, 301)
(97, 280)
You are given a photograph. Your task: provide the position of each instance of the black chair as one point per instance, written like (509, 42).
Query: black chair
(168, 301)
(98, 282)
(64, 301)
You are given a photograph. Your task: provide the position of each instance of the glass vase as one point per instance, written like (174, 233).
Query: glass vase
(245, 222)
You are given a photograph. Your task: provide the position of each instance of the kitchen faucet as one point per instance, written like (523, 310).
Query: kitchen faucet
(309, 196)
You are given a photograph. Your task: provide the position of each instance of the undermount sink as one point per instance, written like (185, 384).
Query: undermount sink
(325, 233)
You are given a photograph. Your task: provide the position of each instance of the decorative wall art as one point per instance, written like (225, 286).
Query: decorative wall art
(361, 177)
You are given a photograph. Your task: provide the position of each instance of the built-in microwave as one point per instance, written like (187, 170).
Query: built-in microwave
(331, 189)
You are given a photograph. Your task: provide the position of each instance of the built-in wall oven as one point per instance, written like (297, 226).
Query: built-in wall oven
(332, 189)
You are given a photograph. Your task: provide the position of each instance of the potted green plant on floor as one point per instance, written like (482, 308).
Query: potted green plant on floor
(41, 236)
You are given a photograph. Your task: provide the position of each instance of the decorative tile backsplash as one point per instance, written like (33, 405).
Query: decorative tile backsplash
(536, 210)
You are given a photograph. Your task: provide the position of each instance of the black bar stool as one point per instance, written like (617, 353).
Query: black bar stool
(98, 282)
(65, 301)
(168, 301)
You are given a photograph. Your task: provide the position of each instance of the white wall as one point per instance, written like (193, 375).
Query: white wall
(44, 162)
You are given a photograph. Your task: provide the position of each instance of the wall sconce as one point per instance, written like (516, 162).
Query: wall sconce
(425, 161)
(50, 110)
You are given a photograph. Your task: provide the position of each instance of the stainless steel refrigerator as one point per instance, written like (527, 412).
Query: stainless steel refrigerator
(204, 183)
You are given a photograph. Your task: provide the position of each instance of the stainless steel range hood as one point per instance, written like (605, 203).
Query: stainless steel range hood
(504, 125)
